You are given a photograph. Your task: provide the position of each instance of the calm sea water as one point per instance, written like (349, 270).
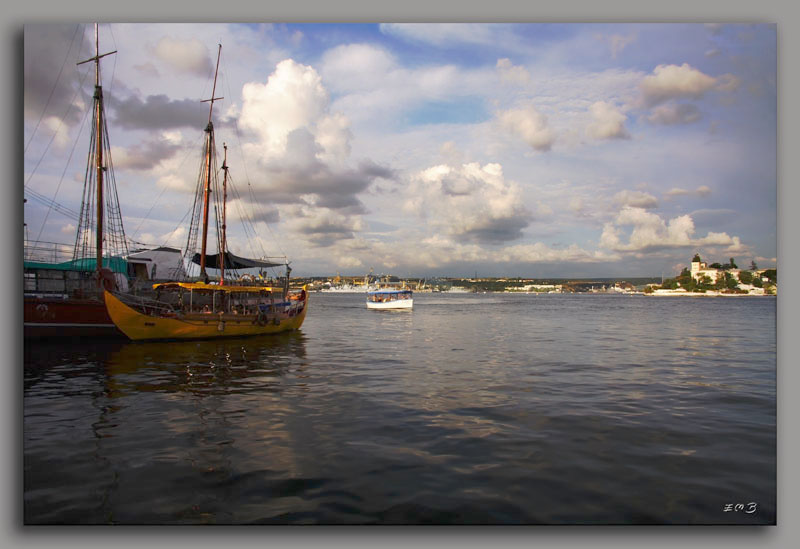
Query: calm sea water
(470, 409)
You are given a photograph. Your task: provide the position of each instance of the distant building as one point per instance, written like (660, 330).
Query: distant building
(700, 269)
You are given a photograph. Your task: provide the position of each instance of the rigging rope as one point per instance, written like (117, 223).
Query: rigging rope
(42, 199)
(55, 84)
(189, 151)
(61, 179)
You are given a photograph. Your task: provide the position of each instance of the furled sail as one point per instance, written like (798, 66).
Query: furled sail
(234, 262)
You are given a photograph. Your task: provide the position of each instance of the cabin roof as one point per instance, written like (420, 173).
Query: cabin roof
(203, 287)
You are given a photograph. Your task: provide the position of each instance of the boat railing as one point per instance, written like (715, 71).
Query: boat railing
(47, 252)
(146, 305)
(55, 282)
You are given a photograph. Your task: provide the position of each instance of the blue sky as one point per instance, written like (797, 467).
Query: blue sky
(548, 150)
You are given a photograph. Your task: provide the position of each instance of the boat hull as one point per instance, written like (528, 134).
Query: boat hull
(55, 316)
(396, 304)
(141, 327)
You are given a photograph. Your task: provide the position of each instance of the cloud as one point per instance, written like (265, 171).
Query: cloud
(636, 199)
(292, 98)
(240, 209)
(607, 122)
(355, 66)
(617, 42)
(57, 129)
(147, 69)
(148, 154)
(159, 112)
(441, 34)
(470, 203)
(189, 56)
(650, 232)
(530, 125)
(324, 229)
(369, 86)
(728, 83)
(511, 74)
(176, 238)
(674, 113)
(541, 253)
(49, 92)
(701, 191)
(303, 154)
(438, 251)
(675, 82)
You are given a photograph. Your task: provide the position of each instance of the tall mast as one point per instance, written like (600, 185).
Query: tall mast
(98, 114)
(224, 211)
(209, 151)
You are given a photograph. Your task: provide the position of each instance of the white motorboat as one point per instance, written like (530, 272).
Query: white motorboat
(390, 299)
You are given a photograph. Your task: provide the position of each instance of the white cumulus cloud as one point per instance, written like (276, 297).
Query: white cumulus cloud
(529, 124)
(608, 122)
(470, 203)
(673, 82)
(636, 199)
(651, 232)
(292, 98)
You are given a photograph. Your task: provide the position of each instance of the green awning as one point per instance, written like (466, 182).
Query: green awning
(115, 264)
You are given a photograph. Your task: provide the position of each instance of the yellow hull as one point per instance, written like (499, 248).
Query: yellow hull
(138, 326)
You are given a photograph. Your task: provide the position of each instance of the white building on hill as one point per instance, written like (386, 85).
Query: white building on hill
(700, 269)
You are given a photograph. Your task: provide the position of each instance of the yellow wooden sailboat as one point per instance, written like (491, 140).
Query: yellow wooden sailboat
(195, 310)
(228, 307)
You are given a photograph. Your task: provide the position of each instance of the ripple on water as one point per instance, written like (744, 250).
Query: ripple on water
(470, 409)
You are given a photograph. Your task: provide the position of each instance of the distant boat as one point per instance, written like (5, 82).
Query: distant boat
(343, 289)
(390, 299)
(63, 285)
(458, 290)
(207, 309)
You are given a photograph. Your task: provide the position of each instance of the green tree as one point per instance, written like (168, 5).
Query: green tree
(771, 275)
(686, 280)
(730, 282)
(745, 277)
(705, 283)
(757, 282)
(715, 266)
(670, 284)
(733, 264)
(753, 266)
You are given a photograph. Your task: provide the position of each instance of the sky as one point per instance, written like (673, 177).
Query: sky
(535, 150)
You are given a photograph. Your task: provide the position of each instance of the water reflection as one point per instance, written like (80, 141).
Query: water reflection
(523, 409)
(196, 411)
(211, 367)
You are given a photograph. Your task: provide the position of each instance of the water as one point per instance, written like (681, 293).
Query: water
(470, 409)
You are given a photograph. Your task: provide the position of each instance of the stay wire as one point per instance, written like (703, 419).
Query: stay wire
(53, 89)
